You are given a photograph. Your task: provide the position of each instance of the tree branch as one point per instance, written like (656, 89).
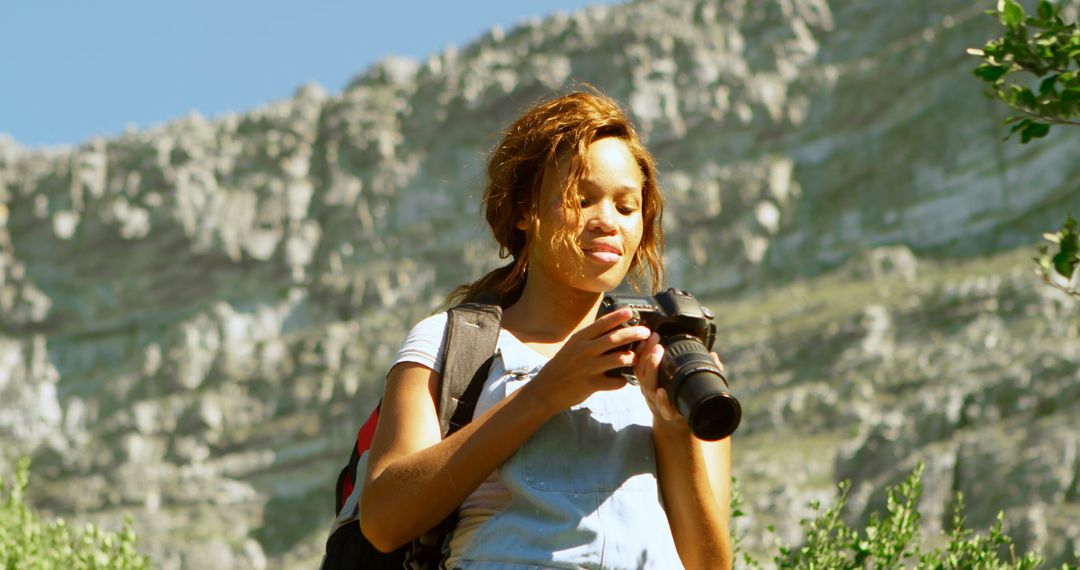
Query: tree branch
(1051, 120)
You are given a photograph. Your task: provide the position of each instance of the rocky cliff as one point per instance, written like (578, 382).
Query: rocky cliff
(194, 318)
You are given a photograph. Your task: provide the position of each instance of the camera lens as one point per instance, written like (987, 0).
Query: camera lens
(712, 413)
(698, 388)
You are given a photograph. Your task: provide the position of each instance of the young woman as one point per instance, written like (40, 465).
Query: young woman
(562, 466)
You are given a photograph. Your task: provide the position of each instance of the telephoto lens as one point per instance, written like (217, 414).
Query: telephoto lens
(698, 388)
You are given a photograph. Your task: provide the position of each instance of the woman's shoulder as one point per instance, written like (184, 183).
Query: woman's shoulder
(424, 343)
(435, 324)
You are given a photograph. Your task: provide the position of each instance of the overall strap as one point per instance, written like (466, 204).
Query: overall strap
(472, 333)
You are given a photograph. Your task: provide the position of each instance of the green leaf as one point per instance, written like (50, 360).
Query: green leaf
(1047, 85)
(1034, 131)
(990, 72)
(1068, 255)
(1012, 13)
(1064, 264)
(1039, 130)
(1018, 126)
(993, 50)
(1046, 10)
(1045, 40)
(1025, 97)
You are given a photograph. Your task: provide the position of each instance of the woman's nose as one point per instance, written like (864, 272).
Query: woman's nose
(602, 218)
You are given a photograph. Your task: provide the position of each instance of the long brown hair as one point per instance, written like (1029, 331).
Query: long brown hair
(559, 128)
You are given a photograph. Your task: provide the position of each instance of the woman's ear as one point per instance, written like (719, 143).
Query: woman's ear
(523, 220)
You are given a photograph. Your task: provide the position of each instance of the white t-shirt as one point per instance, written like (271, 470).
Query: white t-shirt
(515, 365)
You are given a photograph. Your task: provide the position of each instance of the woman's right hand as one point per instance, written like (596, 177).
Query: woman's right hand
(578, 369)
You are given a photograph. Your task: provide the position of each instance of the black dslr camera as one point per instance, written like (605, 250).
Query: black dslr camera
(696, 385)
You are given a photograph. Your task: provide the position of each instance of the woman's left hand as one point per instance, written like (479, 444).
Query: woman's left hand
(646, 367)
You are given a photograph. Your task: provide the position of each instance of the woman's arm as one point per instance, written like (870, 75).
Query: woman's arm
(415, 479)
(695, 480)
(694, 475)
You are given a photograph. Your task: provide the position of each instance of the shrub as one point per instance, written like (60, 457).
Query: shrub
(892, 539)
(28, 542)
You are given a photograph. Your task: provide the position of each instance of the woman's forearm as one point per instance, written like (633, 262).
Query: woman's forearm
(697, 515)
(411, 494)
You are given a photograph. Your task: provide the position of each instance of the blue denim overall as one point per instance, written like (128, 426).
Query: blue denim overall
(584, 487)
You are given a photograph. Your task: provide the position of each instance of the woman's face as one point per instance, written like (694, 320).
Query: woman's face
(609, 229)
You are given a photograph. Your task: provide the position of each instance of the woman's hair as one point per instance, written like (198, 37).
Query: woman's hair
(548, 132)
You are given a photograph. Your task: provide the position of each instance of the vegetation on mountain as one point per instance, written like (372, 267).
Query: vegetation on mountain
(893, 539)
(28, 541)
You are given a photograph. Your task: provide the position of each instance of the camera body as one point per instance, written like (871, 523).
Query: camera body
(697, 387)
(669, 313)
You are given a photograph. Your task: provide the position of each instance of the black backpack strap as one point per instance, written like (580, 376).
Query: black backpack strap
(472, 333)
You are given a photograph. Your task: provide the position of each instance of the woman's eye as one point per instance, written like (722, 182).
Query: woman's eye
(627, 210)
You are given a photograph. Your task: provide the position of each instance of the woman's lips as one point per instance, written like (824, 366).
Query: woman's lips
(605, 255)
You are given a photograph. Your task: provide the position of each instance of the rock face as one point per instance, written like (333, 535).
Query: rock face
(195, 318)
(970, 369)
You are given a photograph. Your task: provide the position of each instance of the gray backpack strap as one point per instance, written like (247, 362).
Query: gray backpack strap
(472, 333)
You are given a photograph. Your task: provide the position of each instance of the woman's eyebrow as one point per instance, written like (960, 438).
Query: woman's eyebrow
(631, 193)
(620, 189)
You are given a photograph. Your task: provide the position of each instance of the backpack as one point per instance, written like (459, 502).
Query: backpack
(472, 331)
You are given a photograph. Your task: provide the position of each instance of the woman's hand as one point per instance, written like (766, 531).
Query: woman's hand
(578, 369)
(646, 367)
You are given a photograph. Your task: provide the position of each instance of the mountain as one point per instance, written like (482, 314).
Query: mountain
(195, 318)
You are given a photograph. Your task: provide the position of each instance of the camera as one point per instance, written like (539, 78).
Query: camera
(697, 387)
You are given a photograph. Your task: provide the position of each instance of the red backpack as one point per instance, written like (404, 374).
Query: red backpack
(472, 331)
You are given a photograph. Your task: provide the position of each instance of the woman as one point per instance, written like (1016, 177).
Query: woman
(562, 466)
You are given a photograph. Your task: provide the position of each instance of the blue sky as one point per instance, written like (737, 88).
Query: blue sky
(73, 69)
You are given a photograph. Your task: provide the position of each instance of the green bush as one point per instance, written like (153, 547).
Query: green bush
(28, 542)
(892, 540)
